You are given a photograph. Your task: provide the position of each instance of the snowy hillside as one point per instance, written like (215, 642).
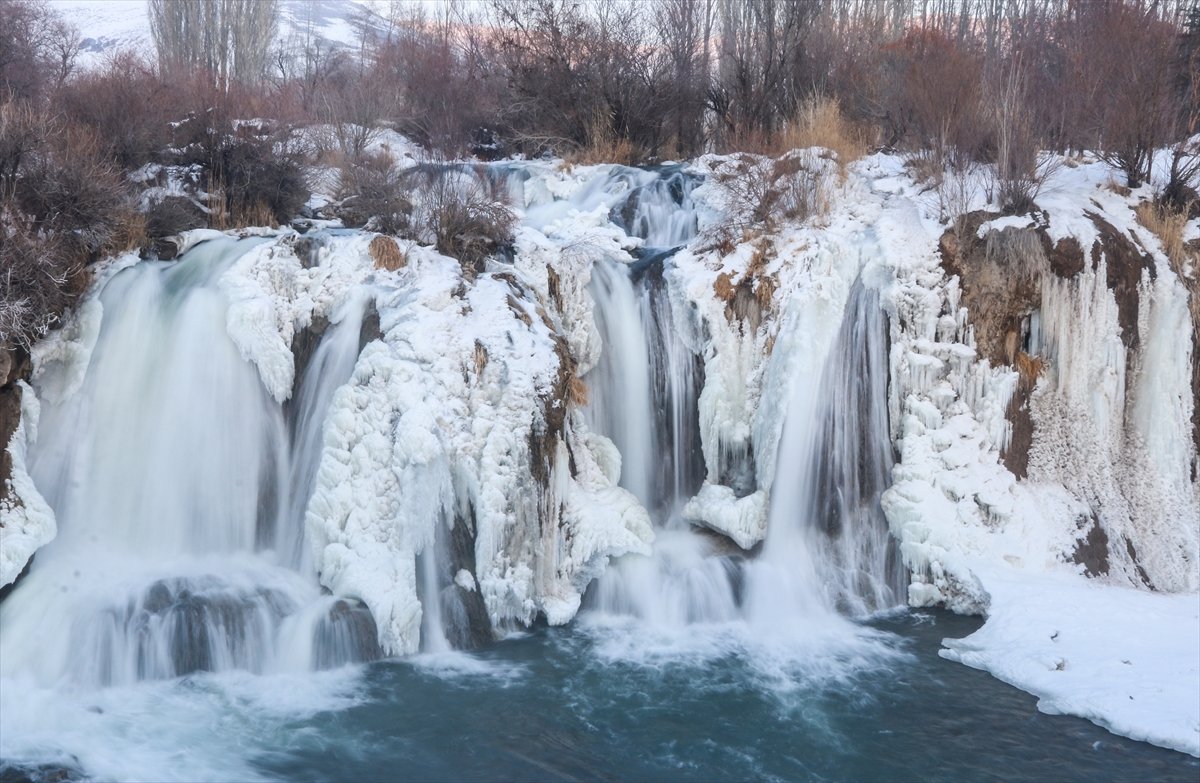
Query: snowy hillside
(110, 25)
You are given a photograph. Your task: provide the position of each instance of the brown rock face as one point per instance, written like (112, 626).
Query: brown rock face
(1000, 276)
(1001, 280)
(1066, 258)
(386, 253)
(1123, 272)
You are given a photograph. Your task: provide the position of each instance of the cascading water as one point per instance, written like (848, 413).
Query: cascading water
(828, 548)
(621, 400)
(329, 368)
(166, 471)
(852, 466)
(648, 379)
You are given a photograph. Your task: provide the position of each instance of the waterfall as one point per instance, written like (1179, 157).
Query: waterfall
(851, 466)
(178, 499)
(181, 485)
(621, 397)
(828, 548)
(329, 368)
(828, 545)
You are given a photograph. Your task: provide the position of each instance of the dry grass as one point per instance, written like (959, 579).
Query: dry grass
(222, 218)
(129, 233)
(603, 147)
(820, 122)
(1168, 225)
(577, 391)
(386, 254)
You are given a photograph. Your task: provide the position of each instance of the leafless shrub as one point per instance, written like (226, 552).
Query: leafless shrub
(75, 193)
(375, 193)
(23, 129)
(37, 49)
(253, 168)
(441, 80)
(1017, 180)
(39, 279)
(932, 98)
(762, 192)
(464, 214)
(260, 182)
(1122, 70)
(126, 106)
(173, 215)
(956, 191)
(353, 102)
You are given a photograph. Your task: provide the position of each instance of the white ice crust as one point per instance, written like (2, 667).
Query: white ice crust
(437, 427)
(26, 520)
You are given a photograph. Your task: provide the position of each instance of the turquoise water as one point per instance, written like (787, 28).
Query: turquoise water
(603, 699)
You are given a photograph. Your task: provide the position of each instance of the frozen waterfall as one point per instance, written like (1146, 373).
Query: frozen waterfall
(177, 488)
(182, 484)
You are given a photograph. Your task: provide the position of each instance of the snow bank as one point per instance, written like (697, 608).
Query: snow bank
(1125, 659)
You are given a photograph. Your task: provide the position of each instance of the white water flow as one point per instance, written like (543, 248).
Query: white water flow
(330, 367)
(857, 558)
(621, 400)
(165, 471)
(828, 549)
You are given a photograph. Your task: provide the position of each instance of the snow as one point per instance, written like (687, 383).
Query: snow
(742, 519)
(1125, 659)
(108, 26)
(26, 520)
(977, 539)
(1107, 448)
(426, 433)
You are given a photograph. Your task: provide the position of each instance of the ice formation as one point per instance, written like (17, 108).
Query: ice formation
(26, 521)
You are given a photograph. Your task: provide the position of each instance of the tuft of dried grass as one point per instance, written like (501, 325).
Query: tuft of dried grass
(724, 288)
(386, 253)
(1168, 224)
(577, 391)
(481, 357)
(603, 146)
(820, 122)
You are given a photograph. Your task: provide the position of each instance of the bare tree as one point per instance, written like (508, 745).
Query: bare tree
(37, 48)
(230, 39)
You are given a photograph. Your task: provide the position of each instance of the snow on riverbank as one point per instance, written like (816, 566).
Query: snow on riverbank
(1125, 659)
(1104, 486)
